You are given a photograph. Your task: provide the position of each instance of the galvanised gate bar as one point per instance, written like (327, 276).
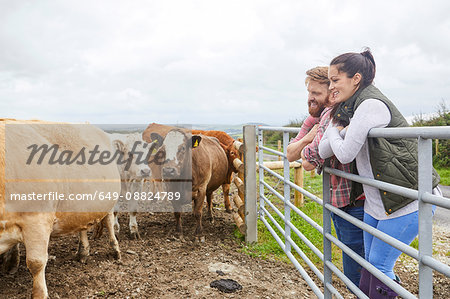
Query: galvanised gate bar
(424, 194)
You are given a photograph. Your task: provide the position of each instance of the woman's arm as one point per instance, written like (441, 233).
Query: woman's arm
(325, 150)
(370, 114)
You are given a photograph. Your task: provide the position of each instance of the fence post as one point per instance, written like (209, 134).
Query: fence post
(425, 217)
(298, 180)
(250, 183)
(287, 194)
(279, 148)
(327, 274)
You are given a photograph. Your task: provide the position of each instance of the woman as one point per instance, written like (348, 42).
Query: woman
(359, 106)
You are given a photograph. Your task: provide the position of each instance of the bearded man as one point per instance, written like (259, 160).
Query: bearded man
(318, 94)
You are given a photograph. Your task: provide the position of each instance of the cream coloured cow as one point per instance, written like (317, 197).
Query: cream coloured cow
(77, 167)
(133, 175)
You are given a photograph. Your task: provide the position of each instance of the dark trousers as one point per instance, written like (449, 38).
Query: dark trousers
(352, 236)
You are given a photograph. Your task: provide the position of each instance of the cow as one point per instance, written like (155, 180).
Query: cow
(133, 175)
(225, 140)
(149, 136)
(34, 222)
(227, 143)
(206, 162)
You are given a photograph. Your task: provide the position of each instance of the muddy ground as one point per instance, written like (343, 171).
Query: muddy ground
(161, 266)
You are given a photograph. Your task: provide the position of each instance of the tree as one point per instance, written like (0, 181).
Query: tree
(442, 118)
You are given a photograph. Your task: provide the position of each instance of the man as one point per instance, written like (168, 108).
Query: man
(318, 94)
(345, 195)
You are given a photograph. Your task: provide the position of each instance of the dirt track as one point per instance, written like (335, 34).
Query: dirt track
(161, 266)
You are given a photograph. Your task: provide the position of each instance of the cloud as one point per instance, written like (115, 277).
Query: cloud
(209, 61)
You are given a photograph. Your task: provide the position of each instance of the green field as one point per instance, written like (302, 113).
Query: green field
(444, 173)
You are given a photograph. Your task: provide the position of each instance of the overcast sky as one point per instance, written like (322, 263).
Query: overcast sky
(211, 62)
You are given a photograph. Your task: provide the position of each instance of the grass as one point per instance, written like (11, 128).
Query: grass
(415, 243)
(444, 173)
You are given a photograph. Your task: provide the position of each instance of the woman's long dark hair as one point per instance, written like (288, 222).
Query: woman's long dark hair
(350, 64)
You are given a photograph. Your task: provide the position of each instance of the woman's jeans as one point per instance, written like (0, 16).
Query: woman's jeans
(379, 253)
(352, 236)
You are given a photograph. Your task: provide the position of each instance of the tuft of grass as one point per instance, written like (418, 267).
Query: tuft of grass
(101, 293)
(444, 173)
(415, 243)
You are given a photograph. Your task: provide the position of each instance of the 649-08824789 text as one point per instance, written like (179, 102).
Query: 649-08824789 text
(138, 196)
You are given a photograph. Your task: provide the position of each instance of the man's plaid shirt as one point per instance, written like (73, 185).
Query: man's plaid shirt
(340, 187)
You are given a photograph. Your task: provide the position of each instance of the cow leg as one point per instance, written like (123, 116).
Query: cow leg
(116, 223)
(226, 198)
(198, 207)
(83, 247)
(109, 223)
(134, 232)
(178, 228)
(36, 241)
(10, 260)
(209, 197)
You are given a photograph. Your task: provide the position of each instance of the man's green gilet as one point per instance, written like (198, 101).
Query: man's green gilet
(393, 160)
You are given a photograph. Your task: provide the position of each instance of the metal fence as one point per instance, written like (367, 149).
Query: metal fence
(424, 194)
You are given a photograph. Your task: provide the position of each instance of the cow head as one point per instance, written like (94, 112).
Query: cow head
(175, 153)
(133, 164)
(232, 154)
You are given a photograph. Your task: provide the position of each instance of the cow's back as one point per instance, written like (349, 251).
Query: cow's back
(209, 164)
(225, 139)
(226, 142)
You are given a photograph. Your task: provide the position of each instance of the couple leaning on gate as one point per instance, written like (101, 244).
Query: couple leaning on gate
(344, 105)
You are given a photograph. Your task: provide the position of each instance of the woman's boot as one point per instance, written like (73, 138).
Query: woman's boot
(364, 282)
(378, 290)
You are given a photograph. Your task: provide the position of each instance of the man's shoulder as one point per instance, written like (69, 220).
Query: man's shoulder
(310, 121)
(325, 116)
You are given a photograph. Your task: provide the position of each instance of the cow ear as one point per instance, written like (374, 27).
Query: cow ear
(196, 141)
(156, 139)
(119, 145)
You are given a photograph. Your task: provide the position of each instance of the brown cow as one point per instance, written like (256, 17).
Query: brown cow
(227, 143)
(45, 218)
(208, 165)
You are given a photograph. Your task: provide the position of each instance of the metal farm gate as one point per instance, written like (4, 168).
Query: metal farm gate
(255, 211)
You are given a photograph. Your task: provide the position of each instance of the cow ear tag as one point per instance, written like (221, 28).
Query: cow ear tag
(196, 141)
